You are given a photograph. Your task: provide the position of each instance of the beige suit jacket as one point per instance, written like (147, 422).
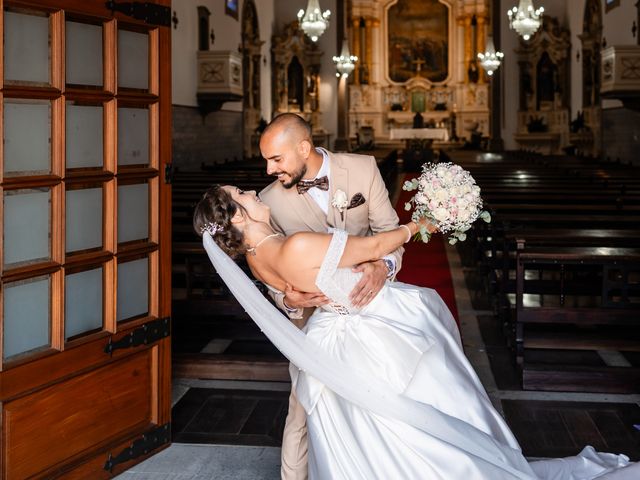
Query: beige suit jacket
(292, 212)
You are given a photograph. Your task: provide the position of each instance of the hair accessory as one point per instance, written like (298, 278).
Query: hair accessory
(212, 228)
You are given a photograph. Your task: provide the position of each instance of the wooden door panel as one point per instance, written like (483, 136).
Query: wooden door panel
(77, 408)
(55, 424)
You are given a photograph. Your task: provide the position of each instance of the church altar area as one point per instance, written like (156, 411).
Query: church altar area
(441, 134)
(418, 56)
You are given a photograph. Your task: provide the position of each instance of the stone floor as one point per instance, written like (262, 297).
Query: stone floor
(231, 430)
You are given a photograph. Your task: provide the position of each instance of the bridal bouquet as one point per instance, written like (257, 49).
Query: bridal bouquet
(448, 197)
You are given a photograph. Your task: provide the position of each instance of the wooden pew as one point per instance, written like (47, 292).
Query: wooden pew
(581, 300)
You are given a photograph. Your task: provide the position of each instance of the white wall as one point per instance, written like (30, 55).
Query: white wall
(184, 43)
(272, 16)
(266, 19)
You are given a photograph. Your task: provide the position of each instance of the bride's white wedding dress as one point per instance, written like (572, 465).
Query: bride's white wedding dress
(389, 392)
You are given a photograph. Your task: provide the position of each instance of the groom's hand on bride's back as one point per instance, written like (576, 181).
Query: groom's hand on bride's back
(296, 299)
(373, 277)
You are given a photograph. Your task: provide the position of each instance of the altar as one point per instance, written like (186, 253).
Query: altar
(408, 65)
(439, 134)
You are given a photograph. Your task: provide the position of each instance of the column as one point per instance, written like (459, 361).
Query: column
(495, 142)
(368, 47)
(341, 142)
(355, 48)
(481, 42)
(468, 45)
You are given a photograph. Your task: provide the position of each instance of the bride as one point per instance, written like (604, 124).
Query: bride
(387, 389)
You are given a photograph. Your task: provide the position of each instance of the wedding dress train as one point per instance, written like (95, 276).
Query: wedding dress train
(389, 392)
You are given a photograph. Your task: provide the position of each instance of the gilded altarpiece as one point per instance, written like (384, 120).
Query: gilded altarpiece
(296, 75)
(543, 116)
(418, 56)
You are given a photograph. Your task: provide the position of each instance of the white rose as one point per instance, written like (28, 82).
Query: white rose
(441, 195)
(441, 214)
(340, 200)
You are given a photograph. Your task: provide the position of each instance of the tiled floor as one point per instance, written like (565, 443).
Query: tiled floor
(560, 429)
(230, 417)
(222, 413)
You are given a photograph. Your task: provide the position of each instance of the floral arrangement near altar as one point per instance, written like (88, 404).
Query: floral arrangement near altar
(447, 196)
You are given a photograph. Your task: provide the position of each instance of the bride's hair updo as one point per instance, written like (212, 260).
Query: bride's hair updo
(217, 206)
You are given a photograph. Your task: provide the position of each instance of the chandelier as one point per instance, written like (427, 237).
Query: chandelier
(490, 60)
(345, 63)
(524, 19)
(313, 22)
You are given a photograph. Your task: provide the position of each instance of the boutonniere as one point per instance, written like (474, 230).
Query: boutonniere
(340, 202)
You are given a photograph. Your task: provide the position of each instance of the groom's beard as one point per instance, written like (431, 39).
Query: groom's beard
(295, 177)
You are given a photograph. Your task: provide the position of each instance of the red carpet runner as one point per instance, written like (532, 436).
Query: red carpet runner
(423, 264)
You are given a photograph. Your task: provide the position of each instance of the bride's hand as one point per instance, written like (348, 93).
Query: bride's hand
(424, 222)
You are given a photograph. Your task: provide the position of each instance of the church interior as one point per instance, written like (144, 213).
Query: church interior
(123, 353)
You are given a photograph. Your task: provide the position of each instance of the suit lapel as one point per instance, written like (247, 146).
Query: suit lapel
(307, 210)
(339, 181)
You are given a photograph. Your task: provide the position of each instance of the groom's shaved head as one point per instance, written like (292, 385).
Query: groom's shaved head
(292, 126)
(287, 147)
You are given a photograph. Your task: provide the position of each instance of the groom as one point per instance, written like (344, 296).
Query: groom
(317, 190)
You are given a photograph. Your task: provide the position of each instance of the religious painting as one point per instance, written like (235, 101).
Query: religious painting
(418, 40)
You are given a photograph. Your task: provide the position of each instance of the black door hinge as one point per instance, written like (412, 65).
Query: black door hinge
(141, 446)
(149, 13)
(145, 335)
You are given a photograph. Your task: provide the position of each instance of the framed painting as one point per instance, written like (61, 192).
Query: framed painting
(231, 8)
(418, 40)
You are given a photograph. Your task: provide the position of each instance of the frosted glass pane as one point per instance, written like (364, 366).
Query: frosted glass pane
(133, 136)
(133, 288)
(26, 226)
(84, 53)
(82, 302)
(133, 212)
(26, 316)
(84, 136)
(27, 138)
(133, 60)
(83, 219)
(26, 44)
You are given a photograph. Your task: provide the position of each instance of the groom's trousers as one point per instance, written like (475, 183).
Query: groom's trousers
(294, 442)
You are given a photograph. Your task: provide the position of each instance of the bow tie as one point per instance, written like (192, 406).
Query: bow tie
(303, 185)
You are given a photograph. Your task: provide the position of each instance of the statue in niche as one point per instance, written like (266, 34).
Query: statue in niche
(547, 81)
(295, 93)
(312, 83)
(472, 72)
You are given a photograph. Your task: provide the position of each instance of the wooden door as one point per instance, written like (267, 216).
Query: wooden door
(85, 375)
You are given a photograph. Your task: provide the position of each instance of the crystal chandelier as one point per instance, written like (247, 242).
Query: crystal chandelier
(524, 19)
(313, 22)
(490, 60)
(345, 63)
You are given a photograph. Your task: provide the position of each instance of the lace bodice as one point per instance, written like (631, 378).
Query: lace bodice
(336, 283)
